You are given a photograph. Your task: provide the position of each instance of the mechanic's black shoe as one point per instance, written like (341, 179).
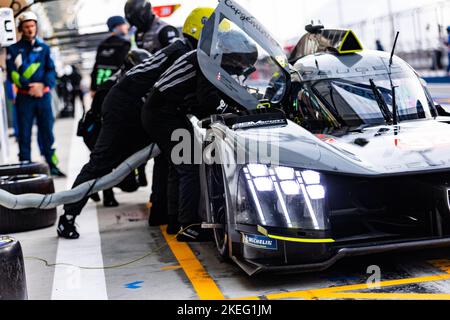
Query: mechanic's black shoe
(142, 179)
(109, 201)
(173, 229)
(195, 234)
(55, 172)
(95, 197)
(67, 229)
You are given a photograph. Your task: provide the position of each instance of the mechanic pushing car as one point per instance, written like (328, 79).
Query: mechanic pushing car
(31, 68)
(91, 124)
(183, 90)
(123, 104)
(152, 34)
(111, 53)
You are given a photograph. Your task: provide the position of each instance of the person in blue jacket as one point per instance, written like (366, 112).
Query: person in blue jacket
(32, 70)
(11, 99)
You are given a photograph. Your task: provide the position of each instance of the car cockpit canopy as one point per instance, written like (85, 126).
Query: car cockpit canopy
(241, 58)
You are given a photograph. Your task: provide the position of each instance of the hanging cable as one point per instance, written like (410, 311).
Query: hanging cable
(117, 266)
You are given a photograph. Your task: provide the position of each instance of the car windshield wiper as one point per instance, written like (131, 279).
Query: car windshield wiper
(381, 102)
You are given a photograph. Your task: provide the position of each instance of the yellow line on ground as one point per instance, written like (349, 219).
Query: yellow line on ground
(341, 292)
(202, 282)
(385, 296)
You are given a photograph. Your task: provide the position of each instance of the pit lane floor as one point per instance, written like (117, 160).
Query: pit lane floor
(174, 271)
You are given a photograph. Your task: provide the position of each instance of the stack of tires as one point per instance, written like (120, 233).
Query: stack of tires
(23, 178)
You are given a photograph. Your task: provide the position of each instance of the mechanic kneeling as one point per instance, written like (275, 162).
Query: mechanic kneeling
(122, 134)
(184, 90)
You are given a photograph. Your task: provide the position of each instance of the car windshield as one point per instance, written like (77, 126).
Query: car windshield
(364, 100)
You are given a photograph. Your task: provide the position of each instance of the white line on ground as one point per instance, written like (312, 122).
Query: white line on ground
(71, 283)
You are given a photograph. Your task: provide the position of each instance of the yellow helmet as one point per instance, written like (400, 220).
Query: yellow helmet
(196, 20)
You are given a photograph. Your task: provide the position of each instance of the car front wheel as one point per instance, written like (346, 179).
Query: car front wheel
(218, 207)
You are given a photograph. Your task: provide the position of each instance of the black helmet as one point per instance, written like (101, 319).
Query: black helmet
(239, 53)
(139, 14)
(136, 57)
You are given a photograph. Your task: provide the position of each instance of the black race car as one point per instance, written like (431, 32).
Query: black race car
(337, 151)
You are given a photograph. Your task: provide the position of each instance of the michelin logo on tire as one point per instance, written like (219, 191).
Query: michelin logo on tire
(260, 242)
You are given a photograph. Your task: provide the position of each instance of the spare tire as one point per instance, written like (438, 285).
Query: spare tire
(13, 284)
(12, 221)
(24, 168)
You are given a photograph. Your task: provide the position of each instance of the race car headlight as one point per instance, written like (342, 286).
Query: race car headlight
(281, 197)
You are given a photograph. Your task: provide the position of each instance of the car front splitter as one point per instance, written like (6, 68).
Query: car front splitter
(252, 268)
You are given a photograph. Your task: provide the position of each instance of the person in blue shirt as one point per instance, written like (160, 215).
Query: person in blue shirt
(32, 70)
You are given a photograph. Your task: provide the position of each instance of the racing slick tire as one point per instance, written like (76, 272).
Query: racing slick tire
(12, 221)
(219, 209)
(24, 168)
(13, 285)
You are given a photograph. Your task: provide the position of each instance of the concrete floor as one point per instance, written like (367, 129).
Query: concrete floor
(112, 237)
